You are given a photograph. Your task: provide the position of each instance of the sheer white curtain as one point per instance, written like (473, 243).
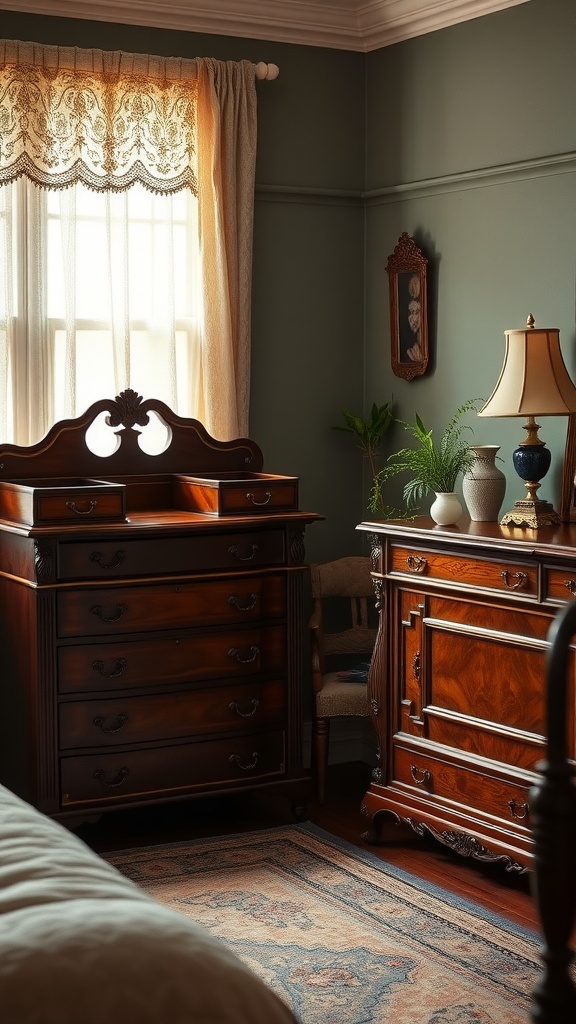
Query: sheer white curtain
(134, 269)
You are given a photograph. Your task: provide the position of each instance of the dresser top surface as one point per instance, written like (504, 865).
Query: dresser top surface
(559, 540)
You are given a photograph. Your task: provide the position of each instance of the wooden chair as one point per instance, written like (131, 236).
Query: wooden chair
(342, 588)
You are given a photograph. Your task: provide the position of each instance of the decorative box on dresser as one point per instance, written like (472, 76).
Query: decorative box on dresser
(457, 681)
(151, 616)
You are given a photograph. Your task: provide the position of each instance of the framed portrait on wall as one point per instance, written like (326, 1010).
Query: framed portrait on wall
(406, 269)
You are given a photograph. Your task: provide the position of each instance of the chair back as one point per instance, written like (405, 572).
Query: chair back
(348, 579)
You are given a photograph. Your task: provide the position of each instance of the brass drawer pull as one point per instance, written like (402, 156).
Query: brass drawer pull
(118, 558)
(570, 585)
(235, 653)
(235, 602)
(519, 811)
(235, 759)
(514, 580)
(250, 497)
(117, 668)
(416, 563)
(82, 511)
(102, 777)
(117, 614)
(243, 558)
(420, 776)
(120, 723)
(253, 707)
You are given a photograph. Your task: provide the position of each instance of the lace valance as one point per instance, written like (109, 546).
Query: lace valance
(107, 119)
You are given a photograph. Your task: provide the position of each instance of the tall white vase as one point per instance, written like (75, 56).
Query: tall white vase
(446, 508)
(484, 485)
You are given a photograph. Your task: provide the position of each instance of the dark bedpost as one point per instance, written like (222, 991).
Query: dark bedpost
(553, 812)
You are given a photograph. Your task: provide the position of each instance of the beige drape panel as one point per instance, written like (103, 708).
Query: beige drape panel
(109, 119)
(226, 169)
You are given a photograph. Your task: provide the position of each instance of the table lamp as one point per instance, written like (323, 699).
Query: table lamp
(533, 382)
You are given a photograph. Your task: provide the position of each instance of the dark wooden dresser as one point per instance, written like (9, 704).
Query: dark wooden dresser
(457, 684)
(151, 617)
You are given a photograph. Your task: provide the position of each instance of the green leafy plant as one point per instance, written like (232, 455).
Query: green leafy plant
(368, 434)
(370, 431)
(433, 466)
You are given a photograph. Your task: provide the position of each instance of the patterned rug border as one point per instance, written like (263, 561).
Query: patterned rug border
(365, 856)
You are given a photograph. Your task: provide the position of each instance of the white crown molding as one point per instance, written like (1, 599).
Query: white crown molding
(336, 24)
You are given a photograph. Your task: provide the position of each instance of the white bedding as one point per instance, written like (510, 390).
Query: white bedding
(81, 944)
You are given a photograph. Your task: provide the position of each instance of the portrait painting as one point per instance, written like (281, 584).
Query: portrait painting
(406, 270)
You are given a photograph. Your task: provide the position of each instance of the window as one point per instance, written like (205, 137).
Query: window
(126, 205)
(103, 288)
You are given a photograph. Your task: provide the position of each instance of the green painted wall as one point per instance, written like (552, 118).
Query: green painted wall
(471, 148)
(465, 138)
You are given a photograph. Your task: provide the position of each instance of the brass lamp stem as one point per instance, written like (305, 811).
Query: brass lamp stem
(531, 428)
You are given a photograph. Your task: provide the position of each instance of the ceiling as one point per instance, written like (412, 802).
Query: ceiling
(361, 25)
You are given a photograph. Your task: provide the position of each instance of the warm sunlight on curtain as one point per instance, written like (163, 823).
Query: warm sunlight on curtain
(126, 213)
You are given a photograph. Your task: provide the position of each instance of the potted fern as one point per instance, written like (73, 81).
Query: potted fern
(434, 466)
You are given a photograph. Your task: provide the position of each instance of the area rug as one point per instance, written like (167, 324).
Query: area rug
(342, 937)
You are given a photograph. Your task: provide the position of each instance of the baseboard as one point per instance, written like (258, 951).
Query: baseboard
(351, 739)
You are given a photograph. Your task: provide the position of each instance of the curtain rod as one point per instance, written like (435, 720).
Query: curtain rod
(266, 72)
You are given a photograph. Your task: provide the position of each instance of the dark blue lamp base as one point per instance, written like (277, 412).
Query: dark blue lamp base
(531, 462)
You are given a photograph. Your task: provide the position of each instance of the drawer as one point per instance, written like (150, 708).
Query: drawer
(236, 493)
(62, 500)
(470, 790)
(165, 661)
(237, 707)
(112, 777)
(128, 609)
(482, 574)
(485, 739)
(559, 584)
(101, 559)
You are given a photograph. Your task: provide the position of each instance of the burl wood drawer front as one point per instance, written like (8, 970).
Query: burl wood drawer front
(238, 707)
(463, 680)
(126, 557)
(132, 609)
(121, 666)
(559, 584)
(113, 777)
(468, 789)
(502, 575)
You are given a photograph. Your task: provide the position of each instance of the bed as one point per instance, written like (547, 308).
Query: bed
(81, 944)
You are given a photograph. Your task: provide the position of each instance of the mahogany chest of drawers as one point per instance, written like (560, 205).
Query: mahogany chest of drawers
(458, 676)
(150, 651)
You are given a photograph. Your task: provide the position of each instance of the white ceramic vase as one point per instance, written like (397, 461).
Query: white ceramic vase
(446, 508)
(484, 485)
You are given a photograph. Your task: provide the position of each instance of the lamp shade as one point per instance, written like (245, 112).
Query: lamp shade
(534, 380)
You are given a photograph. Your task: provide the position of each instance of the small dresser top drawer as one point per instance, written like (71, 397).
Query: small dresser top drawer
(40, 502)
(236, 493)
(483, 574)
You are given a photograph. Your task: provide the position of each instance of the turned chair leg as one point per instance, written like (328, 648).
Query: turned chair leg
(321, 739)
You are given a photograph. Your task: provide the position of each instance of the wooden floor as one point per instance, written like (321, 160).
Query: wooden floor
(489, 885)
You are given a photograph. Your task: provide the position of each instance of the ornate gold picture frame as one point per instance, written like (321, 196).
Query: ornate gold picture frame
(406, 269)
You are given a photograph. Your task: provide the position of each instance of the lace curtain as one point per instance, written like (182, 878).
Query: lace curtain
(74, 118)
